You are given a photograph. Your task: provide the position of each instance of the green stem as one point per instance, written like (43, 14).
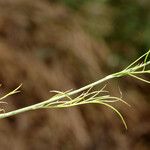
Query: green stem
(38, 105)
(125, 72)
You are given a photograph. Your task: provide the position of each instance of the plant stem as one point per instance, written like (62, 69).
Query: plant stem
(128, 71)
(38, 105)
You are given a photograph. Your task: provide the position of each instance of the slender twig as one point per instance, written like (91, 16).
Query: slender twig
(84, 95)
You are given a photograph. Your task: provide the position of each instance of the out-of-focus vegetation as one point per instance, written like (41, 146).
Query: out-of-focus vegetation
(65, 44)
(131, 17)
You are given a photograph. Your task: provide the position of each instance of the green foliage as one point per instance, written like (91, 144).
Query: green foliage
(73, 4)
(131, 23)
(130, 20)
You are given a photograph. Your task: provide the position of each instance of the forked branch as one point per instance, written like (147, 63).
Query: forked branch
(86, 94)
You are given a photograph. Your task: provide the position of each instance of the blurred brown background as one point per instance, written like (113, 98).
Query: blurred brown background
(64, 44)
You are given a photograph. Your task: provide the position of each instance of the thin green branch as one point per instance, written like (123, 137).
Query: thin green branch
(55, 98)
(85, 95)
(11, 93)
(132, 64)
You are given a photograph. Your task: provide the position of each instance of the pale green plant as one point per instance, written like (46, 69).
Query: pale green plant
(87, 94)
(7, 95)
